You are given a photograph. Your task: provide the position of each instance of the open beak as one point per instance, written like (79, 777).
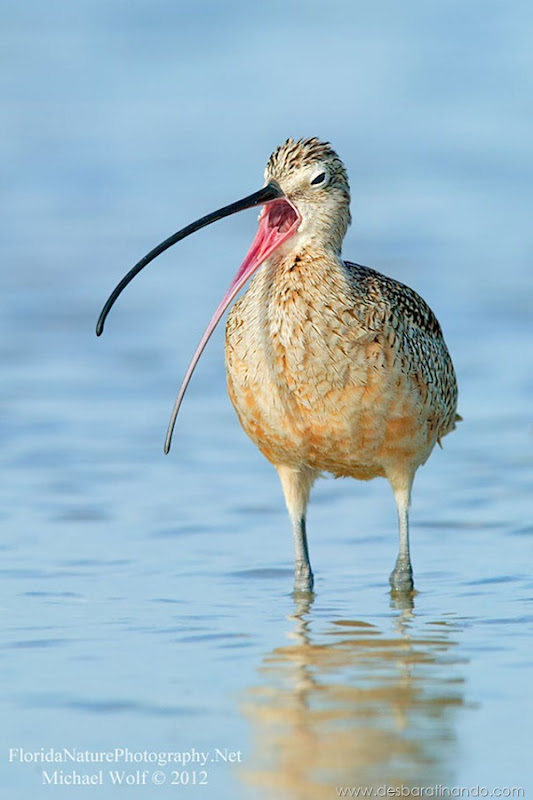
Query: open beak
(279, 221)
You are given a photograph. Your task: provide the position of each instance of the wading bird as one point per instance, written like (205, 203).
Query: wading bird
(331, 366)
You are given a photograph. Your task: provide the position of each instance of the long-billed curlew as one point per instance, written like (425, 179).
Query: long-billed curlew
(331, 366)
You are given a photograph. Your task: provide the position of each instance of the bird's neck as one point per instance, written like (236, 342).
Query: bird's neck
(297, 284)
(306, 268)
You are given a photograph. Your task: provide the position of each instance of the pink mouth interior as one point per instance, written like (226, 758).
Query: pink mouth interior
(281, 215)
(277, 223)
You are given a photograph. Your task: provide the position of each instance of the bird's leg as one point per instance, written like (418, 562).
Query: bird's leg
(296, 484)
(401, 578)
(303, 574)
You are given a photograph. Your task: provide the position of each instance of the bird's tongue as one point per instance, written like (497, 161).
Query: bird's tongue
(277, 223)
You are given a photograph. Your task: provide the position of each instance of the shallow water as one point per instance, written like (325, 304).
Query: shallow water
(146, 600)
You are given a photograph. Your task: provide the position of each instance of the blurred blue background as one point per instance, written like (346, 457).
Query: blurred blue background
(142, 595)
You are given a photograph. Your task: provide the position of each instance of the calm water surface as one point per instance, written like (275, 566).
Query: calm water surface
(146, 600)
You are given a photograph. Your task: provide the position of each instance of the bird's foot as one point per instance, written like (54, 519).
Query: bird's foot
(303, 578)
(401, 577)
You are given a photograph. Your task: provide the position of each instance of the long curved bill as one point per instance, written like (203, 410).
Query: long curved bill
(278, 221)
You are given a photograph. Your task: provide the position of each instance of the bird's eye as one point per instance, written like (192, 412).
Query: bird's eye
(319, 179)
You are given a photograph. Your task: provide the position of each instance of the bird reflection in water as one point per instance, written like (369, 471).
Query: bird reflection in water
(356, 706)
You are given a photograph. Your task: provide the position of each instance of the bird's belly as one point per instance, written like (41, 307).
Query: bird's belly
(326, 385)
(363, 429)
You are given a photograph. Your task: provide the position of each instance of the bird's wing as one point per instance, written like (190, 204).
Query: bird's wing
(403, 302)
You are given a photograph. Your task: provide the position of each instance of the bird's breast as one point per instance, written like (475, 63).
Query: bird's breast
(310, 375)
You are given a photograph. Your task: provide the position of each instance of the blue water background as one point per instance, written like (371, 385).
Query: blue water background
(146, 600)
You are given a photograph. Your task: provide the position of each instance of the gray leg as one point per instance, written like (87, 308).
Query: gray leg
(296, 484)
(401, 578)
(303, 574)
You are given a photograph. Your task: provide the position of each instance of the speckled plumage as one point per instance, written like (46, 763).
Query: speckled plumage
(333, 367)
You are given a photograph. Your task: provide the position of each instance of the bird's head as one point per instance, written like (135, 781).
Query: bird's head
(305, 202)
(315, 186)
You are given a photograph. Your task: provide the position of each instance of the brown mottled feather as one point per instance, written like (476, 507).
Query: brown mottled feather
(343, 370)
(334, 367)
